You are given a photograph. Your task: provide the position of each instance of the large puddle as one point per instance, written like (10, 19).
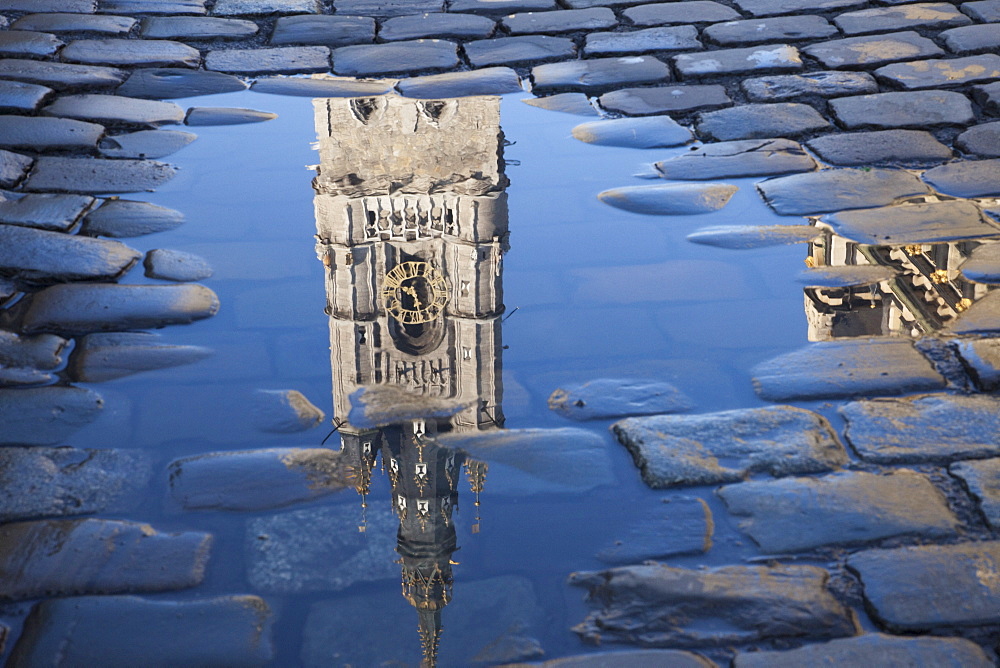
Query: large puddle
(462, 254)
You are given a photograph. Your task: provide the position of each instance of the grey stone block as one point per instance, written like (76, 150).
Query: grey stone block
(436, 24)
(839, 189)
(658, 605)
(325, 30)
(513, 50)
(599, 73)
(678, 525)
(874, 649)
(874, 50)
(913, 223)
(76, 23)
(284, 60)
(217, 631)
(673, 450)
(924, 428)
(756, 121)
(985, 11)
(988, 97)
(41, 133)
(76, 6)
(751, 157)
(43, 210)
(822, 84)
(724, 62)
(690, 11)
(928, 15)
(982, 477)
(159, 84)
(151, 7)
(674, 38)
(881, 147)
(778, 7)
(40, 255)
(175, 265)
(800, 514)
(95, 307)
(202, 116)
(982, 266)
(13, 167)
(82, 175)
(149, 144)
(637, 658)
(917, 588)
(196, 28)
(665, 99)
(983, 317)
(614, 398)
(98, 358)
(851, 367)
(28, 43)
(20, 96)
(124, 218)
(569, 103)
(73, 557)
(131, 52)
(565, 20)
(387, 8)
(60, 75)
(845, 276)
(116, 109)
(407, 56)
(322, 87)
(256, 7)
(56, 482)
(917, 109)
(757, 31)
(966, 178)
(500, 6)
(258, 479)
(649, 132)
(46, 415)
(487, 81)
(937, 73)
(676, 199)
(741, 237)
(972, 39)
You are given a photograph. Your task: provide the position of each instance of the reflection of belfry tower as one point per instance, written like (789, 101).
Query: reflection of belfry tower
(411, 219)
(926, 294)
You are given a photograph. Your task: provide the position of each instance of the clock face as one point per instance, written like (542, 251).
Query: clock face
(414, 292)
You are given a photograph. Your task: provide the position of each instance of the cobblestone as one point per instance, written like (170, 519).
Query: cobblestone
(196, 28)
(324, 30)
(514, 50)
(881, 147)
(436, 24)
(918, 109)
(842, 508)
(283, 60)
(388, 8)
(487, 81)
(966, 178)
(675, 38)
(901, 17)
(152, 6)
(325, 87)
(116, 109)
(913, 223)
(75, 6)
(134, 52)
(760, 121)
(982, 140)
(771, 58)
(651, 132)
(665, 99)
(250, 7)
(201, 116)
(499, 6)
(760, 157)
(971, 39)
(101, 357)
(874, 50)
(150, 144)
(159, 84)
(413, 56)
(60, 75)
(28, 43)
(778, 7)
(48, 133)
(102, 24)
(988, 96)
(679, 525)
(49, 257)
(691, 11)
(937, 73)
(46, 415)
(982, 477)
(18, 96)
(42, 210)
(986, 11)
(761, 31)
(917, 588)
(565, 20)
(120, 218)
(13, 167)
(874, 649)
(599, 73)
(670, 200)
(568, 103)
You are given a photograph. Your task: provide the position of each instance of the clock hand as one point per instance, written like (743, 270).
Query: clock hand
(410, 290)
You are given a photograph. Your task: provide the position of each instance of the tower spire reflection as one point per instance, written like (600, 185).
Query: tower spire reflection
(411, 217)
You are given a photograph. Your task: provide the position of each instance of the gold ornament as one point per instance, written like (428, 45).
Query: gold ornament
(414, 293)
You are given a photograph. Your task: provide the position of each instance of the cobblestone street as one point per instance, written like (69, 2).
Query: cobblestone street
(871, 130)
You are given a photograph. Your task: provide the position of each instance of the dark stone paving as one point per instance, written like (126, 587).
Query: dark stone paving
(874, 649)
(666, 99)
(760, 121)
(648, 132)
(437, 24)
(163, 83)
(517, 50)
(196, 28)
(52, 174)
(406, 56)
(121, 218)
(881, 147)
(101, 24)
(48, 133)
(323, 30)
(599, 73)
(874, 50)
(670, 38)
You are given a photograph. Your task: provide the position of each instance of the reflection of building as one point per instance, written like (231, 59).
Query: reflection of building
(926, 294)
(411, 219)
